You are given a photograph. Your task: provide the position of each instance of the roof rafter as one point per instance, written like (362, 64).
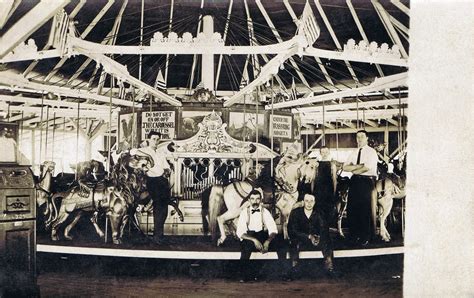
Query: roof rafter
(318, 60)
(49, 44)
(88, 29)
(29, 23)
(334, 38)
(361, 30)
(279, 39)
(226, 28)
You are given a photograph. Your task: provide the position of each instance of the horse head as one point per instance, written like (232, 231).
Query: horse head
(47, 166)
(308, 169)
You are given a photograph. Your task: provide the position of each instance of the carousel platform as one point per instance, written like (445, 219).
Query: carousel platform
(199, 248)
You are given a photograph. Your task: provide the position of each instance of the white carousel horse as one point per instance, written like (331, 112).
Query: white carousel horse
(43, 187)
(292, 168)
(234, 198)
(386, 189)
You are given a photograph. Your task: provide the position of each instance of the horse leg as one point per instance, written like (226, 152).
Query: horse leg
(174, 204)
(98, 230)
(222, 219)
(54, 227)
(125, 220)
(386, 204)
(71, 225)
(342, 208)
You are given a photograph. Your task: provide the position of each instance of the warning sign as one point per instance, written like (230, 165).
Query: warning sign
(160, 121)
(280, 126)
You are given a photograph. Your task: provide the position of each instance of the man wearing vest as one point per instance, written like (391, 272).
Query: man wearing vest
(158, 185)
(257, 231)
(362, 200)
(308, 229)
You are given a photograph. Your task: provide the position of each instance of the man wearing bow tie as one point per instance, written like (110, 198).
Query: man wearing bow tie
(362, 200)
(257, 231)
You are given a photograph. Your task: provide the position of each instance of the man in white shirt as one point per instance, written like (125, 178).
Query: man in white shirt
(257, 231)
(158, 185)
(362, 200)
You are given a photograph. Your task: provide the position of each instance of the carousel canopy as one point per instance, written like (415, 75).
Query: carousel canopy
(329, 62)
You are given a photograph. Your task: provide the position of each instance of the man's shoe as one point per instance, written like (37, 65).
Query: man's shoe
(161, 241)
(331, 273)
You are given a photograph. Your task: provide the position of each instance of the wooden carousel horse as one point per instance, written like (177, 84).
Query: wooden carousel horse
(387, 187)
(111, 196)
(234, 197)
(43, 188)
(130, 172)
(292, 169)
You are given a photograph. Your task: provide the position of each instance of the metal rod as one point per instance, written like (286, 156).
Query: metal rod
(271, 129)
(109, 137)
(167, 55)
(141, 41)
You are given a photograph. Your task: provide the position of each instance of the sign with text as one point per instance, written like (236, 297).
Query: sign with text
(160, 121)
(280, 126)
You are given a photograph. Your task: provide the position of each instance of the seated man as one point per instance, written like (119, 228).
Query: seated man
(257, 231)
(308, 229)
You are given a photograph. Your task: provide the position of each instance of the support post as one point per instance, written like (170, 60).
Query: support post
(207, 69)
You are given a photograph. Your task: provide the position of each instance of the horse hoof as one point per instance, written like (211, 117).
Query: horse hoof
(68, 238)
(220, 241)
(55, 238)
(101, 235)
(117, 241)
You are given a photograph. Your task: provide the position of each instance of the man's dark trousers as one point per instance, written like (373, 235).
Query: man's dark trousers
(160, 193)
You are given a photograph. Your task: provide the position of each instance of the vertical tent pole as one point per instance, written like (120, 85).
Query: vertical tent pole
(77, 134)
(133, 119)
(141, 42)
(41, 130)
(256, 129)
(271, 130)
(109, 128)
(46, 134)
(54, 132)
(323, 141)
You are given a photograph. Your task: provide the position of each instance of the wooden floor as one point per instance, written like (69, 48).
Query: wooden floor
(70, 275)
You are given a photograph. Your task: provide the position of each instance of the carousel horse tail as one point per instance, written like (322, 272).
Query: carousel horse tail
(54, 210)
(216, 202)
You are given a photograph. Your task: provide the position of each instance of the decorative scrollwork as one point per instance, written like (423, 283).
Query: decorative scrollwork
(372, 49)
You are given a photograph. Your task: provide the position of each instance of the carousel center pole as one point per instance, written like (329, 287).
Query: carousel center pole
(207, 69)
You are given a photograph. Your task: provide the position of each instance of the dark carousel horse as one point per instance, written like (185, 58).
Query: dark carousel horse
(387, 187)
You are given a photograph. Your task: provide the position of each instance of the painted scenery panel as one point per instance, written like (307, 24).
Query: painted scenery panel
(189, 122)
(243, 126)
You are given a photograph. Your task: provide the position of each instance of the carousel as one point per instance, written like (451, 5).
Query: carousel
(243, 95)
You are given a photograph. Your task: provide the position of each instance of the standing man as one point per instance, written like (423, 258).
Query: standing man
(257, 231)
(325, 183)
(158, 185)
(307, 229)
(362, 200)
